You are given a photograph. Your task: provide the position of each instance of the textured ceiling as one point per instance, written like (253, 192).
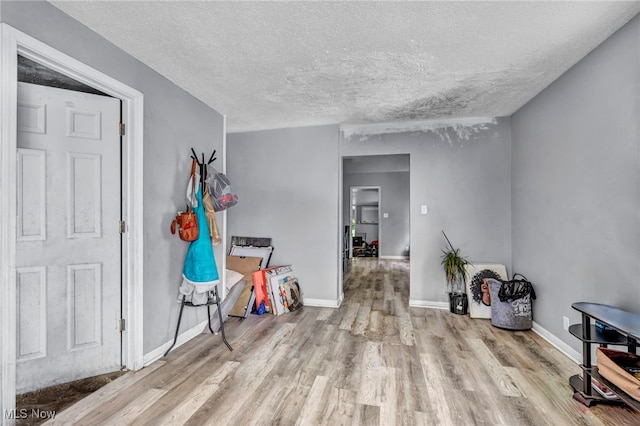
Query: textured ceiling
(287, 64)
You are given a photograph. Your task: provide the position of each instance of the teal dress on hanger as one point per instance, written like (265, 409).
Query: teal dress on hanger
(200, 273)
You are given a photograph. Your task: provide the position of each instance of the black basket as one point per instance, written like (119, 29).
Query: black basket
(458, 303)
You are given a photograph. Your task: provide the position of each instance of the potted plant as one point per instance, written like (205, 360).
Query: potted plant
(455, 273)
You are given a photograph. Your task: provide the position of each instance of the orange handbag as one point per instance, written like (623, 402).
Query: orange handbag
(187, 222)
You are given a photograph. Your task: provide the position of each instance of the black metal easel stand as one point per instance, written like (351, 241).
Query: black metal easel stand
(214, 299)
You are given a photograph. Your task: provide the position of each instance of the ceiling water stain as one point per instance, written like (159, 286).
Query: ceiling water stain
(448, 130)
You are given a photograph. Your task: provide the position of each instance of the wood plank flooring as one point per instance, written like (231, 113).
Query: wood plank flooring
(373, 361)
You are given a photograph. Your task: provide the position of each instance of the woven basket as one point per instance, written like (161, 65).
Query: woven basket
(511, 315)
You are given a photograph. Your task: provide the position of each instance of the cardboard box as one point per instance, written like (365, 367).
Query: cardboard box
(618, 367)
(246, 266)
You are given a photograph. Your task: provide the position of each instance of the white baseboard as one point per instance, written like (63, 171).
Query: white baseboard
(557, 343)
(321, 303)
(394, 257)
(183, 338)
(428, 304)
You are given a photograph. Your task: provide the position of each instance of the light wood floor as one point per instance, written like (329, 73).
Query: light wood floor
(373, 361)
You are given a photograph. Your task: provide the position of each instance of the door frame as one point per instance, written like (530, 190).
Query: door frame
(351, 213)
(12, 43)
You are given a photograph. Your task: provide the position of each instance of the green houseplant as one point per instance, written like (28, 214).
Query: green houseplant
(455, 271)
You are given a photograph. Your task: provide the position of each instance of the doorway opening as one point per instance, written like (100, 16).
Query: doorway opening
(364, 221)
(16, 44)
(375, 209)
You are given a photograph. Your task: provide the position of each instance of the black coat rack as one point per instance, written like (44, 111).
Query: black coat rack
(214, 297)
(203, 166)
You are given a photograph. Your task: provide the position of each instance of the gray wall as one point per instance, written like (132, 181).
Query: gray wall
(174, 122)
(287, 183)
(394, 199)
(576, 174)
(466, 187)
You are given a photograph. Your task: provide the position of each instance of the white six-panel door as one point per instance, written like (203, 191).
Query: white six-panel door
(68, 242)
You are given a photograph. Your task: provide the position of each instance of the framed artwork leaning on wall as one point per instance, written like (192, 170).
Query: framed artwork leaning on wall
(478, 289)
